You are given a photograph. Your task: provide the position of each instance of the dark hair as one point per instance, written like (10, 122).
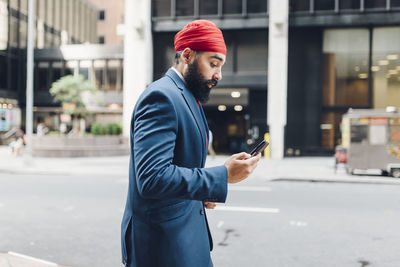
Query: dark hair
(179, 53)
(177, 57)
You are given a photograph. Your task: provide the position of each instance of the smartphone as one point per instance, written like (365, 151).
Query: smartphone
(259, 148)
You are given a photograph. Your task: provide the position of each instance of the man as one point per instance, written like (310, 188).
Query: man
(164, 223)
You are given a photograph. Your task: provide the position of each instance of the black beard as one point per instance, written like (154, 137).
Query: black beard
(197, 84)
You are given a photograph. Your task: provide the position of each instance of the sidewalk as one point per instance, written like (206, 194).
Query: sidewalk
(298, 169)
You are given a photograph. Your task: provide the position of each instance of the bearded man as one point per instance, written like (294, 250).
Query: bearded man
(164, 223)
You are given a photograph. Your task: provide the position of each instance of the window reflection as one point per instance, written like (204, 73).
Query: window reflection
(386, 67)
(208, 7)
(113, 72)
(345, 67)
(232, 7)
(43, 76)
(184, 7)
(345, 78)
(84, 67)
(56, 71)
(99, 68)
(256, 6)
(299, 5)
(375, 3)
(161, 8)
(349, 4)
(324, 4)
(3, 72)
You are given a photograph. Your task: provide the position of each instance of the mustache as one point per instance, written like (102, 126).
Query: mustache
(213, 82)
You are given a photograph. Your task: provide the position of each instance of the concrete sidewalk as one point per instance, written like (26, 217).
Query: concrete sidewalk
(298, 169)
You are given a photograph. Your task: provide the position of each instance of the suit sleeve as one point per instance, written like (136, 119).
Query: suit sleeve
(155, 128)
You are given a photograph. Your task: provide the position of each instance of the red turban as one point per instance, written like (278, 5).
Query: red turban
(200, 35)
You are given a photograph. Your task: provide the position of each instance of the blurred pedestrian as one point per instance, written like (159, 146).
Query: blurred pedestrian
(18, 144)
(41, 128)
(164, 222)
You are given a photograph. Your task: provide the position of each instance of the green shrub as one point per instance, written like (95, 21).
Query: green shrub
(96, 129)
(108, 129)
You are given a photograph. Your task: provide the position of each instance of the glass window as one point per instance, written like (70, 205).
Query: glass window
(299, 5)
(184, 7)
(99, 67)
(395, 3)
(14, 75)
(349, 4)
(43, 76)
(208, 7)
(330, 128)
(256, 6)
(84, 67)
(386, 67)
(324, 4)
(252, 52)
(3, 72)
(375, 3)
(56, 71)
(359, 133)
(112, 71)
(161, 8)
(232, 7)
(102, 14)
(345, 67)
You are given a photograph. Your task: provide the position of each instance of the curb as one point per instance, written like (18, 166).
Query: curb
(386, 181)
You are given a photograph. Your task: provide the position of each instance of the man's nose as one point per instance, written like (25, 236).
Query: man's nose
(218, 76)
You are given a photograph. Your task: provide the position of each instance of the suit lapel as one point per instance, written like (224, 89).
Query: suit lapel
(193, 107)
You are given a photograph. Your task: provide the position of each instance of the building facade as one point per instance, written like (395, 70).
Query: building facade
(58, 22)
(341, 54)
(110, 21)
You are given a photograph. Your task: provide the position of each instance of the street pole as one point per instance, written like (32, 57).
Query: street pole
(277, 74)
(29, 80)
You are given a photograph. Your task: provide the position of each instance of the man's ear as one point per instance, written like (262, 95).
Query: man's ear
(187, 55)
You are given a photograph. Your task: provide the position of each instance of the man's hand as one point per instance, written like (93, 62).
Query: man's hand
(240, 166)
(209, 205)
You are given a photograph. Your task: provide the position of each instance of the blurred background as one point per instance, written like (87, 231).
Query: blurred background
(320, 79)
(341, 55)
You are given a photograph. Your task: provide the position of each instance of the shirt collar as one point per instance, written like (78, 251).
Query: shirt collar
(179, 74)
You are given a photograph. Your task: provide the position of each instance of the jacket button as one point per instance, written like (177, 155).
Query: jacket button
(202, 212)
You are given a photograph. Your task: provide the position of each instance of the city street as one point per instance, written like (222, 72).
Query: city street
(74, 220)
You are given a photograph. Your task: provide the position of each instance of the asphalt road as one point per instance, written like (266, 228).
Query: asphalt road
(75, 221)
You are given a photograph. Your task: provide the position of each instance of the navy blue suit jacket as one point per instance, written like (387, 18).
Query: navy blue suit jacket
(164, 223)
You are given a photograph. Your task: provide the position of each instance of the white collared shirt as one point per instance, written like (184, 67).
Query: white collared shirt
(179, 74)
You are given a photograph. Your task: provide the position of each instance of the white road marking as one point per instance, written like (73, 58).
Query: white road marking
(69, 208)
(298, 223)
(32, 258)
(247, 209)
(220, 223)
(249, 188)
